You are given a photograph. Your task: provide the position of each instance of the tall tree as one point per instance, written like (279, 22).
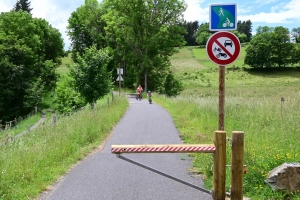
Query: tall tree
(90, 73)
(29, 52)
(23, 5)
(264, 29)
(258, 53)
(281, 46)
(271, 49)
(246, 28)
(191, 29)
(150, 28)
(203, 33)
(86, 27)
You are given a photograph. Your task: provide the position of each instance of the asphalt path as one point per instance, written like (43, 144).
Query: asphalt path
(104, 176)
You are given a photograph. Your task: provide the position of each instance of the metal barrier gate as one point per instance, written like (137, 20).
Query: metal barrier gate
(219, 170)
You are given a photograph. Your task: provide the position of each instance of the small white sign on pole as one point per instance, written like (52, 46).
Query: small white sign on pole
(119, 70)
(120, 78)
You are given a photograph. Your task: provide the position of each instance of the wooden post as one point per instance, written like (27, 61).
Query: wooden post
(53, 117)
(119, 84)
(219, 169)
(237, 165)
(282, 102)
(221, 97)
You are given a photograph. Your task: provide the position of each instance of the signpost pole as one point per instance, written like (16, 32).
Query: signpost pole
(221, 97)
(119, 84)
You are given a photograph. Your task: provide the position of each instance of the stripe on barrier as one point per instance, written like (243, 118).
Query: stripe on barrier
(167, 148)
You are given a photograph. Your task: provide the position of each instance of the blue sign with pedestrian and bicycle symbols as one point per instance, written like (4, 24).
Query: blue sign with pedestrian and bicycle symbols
(222, 17)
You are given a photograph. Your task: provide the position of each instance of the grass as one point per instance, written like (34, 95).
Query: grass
(31, 163)
(20, 127)
(253, 105)
(63, 69)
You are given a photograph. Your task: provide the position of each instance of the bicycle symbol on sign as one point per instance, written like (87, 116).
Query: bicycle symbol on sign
(227, 23)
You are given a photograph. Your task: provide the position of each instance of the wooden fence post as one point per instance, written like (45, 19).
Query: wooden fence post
(219, 168)
(53, 117)
(237, 165)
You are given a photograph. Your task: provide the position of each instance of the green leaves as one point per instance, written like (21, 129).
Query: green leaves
(91, 77)
(30, 50)
(86, 27)
(271, 48)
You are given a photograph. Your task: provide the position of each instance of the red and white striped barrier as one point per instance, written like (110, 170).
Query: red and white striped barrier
(169, 148)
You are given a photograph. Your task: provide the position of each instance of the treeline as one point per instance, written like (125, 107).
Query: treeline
(139, 36)
(30, 52)
(272, 47)
(199, 34)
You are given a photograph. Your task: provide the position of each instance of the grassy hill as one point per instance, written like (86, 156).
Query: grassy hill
(254, 104)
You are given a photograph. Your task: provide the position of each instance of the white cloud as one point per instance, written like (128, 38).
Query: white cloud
(195, 12)
(56, 14)
(6, 5)
(264, 2)
(289, 13)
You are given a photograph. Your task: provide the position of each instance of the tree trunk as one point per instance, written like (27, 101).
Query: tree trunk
(146, 80)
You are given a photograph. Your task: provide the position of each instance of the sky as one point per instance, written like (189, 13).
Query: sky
(270, 13)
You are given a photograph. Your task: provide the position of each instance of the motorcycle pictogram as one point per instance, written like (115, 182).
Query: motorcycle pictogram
(221, 54)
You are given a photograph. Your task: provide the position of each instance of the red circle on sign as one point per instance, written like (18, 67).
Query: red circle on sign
(218, 58)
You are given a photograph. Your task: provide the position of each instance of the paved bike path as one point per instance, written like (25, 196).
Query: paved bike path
(103, 176)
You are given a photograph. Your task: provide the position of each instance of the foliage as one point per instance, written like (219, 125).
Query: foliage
(242, 36)
(91, 77)
(31, 163)
(271, 48)
(243, 32)
(23, 5)
(148, 32)
(258, 53)
(30, 50)
(172, 86)
(16, 63)
(245, 28)
(86, 28)
(191, 29)
(34, 94)
(203, 34)
(203, 37)
(66, 99)
(264, 29)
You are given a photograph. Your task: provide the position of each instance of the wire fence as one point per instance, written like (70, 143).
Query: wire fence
(13, 123)
(55, 117)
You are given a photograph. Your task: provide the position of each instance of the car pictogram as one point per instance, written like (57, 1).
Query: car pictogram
(228, 42)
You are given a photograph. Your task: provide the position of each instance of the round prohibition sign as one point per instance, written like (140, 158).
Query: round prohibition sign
(223, 48)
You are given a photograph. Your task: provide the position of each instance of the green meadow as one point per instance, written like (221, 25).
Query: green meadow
(263, 103)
